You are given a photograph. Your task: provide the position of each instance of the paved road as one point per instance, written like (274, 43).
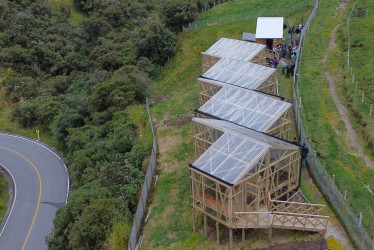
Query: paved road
(41, 185)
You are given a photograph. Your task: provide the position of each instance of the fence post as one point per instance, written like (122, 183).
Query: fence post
(360, 220)
(333, 180)
(371, 110)
(363, 240)
(314, 161)
(363, 96)
(344, 204)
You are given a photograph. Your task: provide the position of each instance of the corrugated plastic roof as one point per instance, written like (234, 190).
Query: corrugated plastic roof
(236, 152)
(244, 107)
(242, 74)
(235, 49)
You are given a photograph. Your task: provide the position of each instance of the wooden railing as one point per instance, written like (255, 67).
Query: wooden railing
(285, 215)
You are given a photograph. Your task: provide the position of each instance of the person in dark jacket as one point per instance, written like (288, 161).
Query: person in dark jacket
(304, 153)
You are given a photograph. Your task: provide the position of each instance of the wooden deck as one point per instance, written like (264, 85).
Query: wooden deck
(289, 214)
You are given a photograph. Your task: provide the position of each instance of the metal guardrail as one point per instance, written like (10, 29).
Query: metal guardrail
(141, 208)
(351, 221)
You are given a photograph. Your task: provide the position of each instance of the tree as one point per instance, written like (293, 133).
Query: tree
(178, 13)
(156, 41)
(67, 215)
(95, 224)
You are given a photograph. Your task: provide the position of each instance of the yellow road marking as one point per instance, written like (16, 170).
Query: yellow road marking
(40, 192)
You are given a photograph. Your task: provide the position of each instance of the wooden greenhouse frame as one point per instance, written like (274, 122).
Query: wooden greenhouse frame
(245, 75)
(238, 50)
(258, 111)
(259, 197)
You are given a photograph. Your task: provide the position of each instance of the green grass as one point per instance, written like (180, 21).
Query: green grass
(4, 196)
(323, 121)
(76, 15)
(170, 222)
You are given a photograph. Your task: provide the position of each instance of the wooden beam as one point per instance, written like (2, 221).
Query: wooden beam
(193, 220)
(270, 235)
(205, 226)
(231, 239)
(217, 230)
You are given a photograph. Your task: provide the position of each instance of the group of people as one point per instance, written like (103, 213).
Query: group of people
(287, 54)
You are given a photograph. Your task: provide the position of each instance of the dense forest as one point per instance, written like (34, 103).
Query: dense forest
(76, 82)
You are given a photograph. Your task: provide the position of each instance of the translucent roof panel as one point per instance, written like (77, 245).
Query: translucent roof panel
(230, 158)
(236, 152)
(259, 138)
(269, 27)
(247, 108)
(238, 73)
(235, 49)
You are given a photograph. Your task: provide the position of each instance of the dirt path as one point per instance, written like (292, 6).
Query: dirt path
(352, 133)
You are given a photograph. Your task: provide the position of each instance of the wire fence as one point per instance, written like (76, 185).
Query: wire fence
(351, 221)
(359, 96)
(141, 208)
(284, 11)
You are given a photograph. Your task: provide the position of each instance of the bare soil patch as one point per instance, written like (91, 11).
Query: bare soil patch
(165, 146)
(305, 245)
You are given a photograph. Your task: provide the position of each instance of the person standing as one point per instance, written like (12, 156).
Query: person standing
(304, 153)
(284, 65)
(275, 62)
(288, 71)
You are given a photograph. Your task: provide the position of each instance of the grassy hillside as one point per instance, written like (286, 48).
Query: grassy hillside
(361, 33)
(325, 127)
(170, 222)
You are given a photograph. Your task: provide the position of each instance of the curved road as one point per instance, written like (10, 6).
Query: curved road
(41, 187)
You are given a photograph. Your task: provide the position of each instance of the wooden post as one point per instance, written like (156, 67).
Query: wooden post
(205, 226)
(363, 240)
(371, 110)
(360, 220)
(333, 180)
(193, 220)
(231, 239)
(356, 87)
(136, 225)
(344, 203)
(315, 161)
(243, 235)
(270, 235)
(363, 96)
(131, 248)
(217, 229)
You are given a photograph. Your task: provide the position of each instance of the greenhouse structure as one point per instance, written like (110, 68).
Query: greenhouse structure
(243, 179)
(236, 49)
(236, 73)
(250, 109)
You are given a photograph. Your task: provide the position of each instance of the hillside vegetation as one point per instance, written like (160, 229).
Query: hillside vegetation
(323, 121)
(74, 70)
